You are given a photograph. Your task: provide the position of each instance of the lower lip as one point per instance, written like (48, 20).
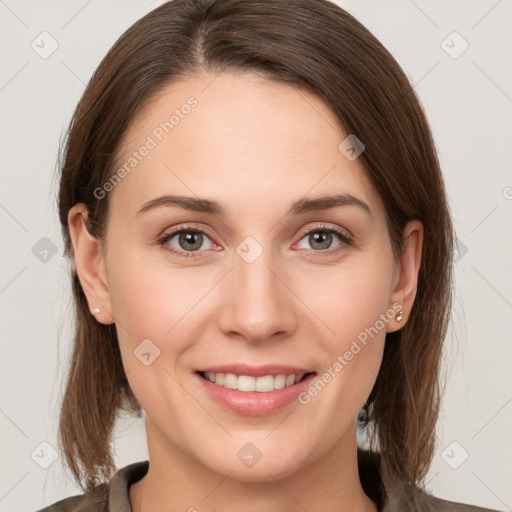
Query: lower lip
(255, 403)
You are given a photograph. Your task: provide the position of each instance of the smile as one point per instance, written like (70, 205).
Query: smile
(247, 383)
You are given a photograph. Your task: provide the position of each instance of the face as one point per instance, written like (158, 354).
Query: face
(270, 284)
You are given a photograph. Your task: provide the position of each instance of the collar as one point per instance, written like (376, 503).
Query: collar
(119, 496)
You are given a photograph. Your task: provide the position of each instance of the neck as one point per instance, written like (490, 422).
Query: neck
(175, 481)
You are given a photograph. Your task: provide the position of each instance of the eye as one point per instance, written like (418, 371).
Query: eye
(186, 241)
(182, 241)
(321, 238)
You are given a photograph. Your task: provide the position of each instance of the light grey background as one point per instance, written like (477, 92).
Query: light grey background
(468, 101)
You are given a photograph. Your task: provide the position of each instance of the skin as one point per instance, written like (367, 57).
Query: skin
(255, 146)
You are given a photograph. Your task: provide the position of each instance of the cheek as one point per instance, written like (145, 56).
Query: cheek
(354, 309)
(153, 305)
(151, 298)
(154, 300)
(350, 298)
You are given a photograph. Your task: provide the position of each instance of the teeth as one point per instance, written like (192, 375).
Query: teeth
(248, 383)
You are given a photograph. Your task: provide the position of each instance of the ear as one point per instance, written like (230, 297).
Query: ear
(406, 274)
(90, 264)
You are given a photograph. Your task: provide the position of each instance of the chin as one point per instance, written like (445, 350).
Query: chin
(261, 461)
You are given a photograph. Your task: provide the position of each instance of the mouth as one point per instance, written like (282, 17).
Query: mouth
(253, 390)
(251, 383)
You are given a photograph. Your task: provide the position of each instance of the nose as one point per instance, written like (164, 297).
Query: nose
(258, 304)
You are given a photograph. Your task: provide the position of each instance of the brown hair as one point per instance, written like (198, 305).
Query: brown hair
(319, 47)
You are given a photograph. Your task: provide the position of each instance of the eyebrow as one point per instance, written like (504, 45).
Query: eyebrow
(214, 208)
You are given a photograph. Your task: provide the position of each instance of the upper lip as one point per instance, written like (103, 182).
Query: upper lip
(255, 371)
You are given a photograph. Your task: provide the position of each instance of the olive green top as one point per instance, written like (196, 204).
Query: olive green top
(114, 496)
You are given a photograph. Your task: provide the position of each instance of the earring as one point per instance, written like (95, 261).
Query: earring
(96, 311)
(400, 316)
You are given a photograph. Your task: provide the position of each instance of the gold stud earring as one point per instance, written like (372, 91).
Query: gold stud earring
(400, 316)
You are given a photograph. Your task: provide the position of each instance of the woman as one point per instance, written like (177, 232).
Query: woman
(262, 251)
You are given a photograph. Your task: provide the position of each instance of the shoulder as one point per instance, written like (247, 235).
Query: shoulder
(420, 500)
(94, 501)
(402, 496)
(113, 495)
(438, 504)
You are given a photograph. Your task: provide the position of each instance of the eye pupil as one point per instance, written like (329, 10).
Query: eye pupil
(188, 238)
(323, 238)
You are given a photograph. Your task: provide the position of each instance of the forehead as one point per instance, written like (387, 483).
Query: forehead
(236, 137)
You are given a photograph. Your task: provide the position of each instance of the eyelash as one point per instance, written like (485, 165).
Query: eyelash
(162, 241)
